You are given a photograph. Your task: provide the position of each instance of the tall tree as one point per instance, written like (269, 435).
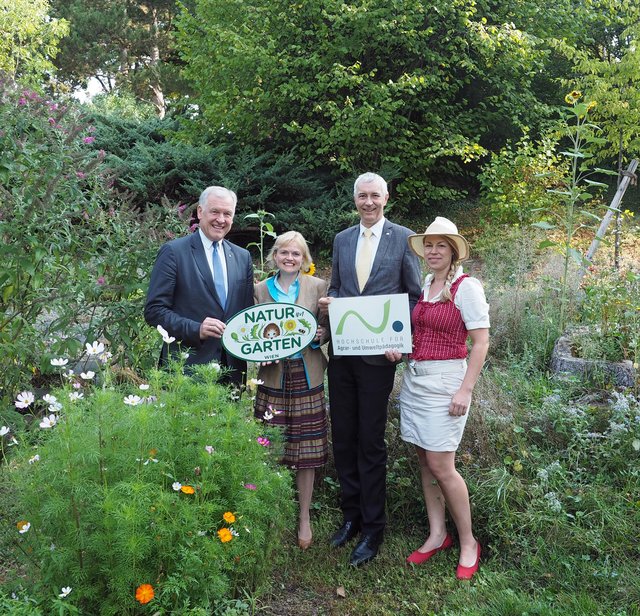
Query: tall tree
(29, 39)
(125, 44)
(420, 86)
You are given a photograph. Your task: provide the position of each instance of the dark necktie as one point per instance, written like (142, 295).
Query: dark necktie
(218, 276)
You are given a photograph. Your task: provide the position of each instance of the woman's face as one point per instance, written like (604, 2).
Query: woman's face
(288, 258)
(437, 253)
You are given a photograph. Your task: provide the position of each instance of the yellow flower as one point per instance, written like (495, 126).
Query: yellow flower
(22, 524)
(144, 593)
(312, 269)
(572, 97)
(290, 325)
(591, 105)
(229, 518)
(187, 489)
(225, 535)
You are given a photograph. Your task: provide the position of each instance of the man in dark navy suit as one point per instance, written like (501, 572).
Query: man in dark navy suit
(198, 282)
(370, 258)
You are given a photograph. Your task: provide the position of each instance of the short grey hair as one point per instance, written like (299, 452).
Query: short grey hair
(217, 191)
(367, 177)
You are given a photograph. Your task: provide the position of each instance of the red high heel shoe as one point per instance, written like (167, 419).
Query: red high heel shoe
(418, 557)
(466, 573)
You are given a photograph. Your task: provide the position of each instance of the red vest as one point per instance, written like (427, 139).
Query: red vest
(438, 329)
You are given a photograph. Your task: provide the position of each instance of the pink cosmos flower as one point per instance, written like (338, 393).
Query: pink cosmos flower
(250, 486)
(264, 441)
(88, 139)
(81, 175)
(100, 280)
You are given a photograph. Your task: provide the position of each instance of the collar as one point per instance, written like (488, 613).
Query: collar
(429, 278)
(206, 242)
(376, 230)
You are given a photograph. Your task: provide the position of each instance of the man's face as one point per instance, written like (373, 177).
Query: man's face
(370, 201)
(216, 217)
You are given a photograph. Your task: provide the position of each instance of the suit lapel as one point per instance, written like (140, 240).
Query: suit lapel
(232, 273)
(352, 245)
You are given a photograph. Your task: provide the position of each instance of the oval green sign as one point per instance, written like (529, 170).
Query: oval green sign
(266, 332)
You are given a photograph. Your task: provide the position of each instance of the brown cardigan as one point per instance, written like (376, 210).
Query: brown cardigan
(311, 290)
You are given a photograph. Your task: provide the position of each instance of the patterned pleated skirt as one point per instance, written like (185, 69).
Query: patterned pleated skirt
(302, 414)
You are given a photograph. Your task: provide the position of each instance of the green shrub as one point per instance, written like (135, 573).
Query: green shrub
(515, 181)
(75, 257)
(611, 310)
(167, 487)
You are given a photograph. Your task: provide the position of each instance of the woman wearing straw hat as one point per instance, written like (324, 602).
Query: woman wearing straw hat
(438, 383)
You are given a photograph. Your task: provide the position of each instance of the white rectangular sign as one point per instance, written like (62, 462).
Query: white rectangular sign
(370, 325)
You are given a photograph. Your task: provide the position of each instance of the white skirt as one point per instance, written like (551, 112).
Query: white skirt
(427, 389)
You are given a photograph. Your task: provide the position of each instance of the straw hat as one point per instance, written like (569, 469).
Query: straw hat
(444, 227)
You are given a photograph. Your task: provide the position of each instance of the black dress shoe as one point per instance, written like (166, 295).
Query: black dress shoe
(366, 550)
(345, 533)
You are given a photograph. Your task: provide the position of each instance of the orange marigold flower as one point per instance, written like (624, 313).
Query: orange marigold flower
(229, 518)
(153, 453)
(225, 535)
(187, 489)
(144, 593)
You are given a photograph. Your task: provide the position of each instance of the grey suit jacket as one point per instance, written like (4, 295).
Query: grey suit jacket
(181, 295)
(396, 269)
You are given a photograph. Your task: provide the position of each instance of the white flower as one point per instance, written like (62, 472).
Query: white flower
(184, 355)
(215, 365)
(209, 449)
(75, 395)
(88, 375)
(143, 386)
(95, 348)
(65, 591)
(49, 422)
(59, 361)
(202, 533)
(105, 357)
(49, 399)
(24, 399)
(133, 400)
(35, 459)
(165, 334)
(4, 430)
(69, 374)
(233, 531)
(24, 528)
(55, 407)
(176, 485)
(256, 382)
(268, 416)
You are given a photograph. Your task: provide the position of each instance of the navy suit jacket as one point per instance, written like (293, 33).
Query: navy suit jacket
(396, 269)
(181, 295)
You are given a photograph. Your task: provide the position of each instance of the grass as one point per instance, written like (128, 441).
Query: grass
(576, 558)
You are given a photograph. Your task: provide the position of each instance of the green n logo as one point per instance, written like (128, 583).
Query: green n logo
(371, 328)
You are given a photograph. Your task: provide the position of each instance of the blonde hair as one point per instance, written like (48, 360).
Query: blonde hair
(455, 262)
(290, 237)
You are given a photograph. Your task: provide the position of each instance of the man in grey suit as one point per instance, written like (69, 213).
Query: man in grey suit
(198, 282)
(370, 258)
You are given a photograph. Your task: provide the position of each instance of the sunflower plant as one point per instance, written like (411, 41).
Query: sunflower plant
(576, 191)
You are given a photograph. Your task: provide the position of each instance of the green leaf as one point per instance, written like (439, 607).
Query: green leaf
(543, 224)
(546, 244)
(577, 256)
(605, 171)
(574, 154)
(590, 215)
(593, 183)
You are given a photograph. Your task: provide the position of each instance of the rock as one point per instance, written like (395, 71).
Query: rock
(621, 374)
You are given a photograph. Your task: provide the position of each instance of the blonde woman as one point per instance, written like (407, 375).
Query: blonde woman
(293, 388)
(438, 383)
